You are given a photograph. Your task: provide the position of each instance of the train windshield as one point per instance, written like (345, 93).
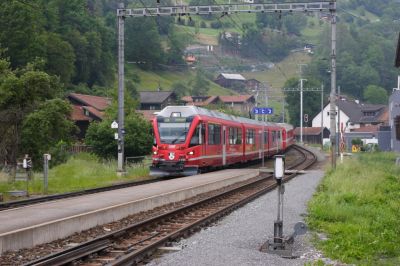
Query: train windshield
(174, 132)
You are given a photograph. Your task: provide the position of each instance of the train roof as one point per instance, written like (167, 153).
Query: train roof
(186, 111)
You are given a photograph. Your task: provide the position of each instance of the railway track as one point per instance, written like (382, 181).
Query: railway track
(135, 243)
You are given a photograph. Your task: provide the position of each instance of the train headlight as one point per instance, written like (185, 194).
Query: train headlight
(191, 153)
(155, 152)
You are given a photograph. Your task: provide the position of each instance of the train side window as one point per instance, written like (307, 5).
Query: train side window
(231, 135)
(210, 134)
(397, 127)
(197, 136)
(217, 136)
(273, 136)
(239, 136)
(250, 136)
(235, 136)
(265, 137)
(214, 134)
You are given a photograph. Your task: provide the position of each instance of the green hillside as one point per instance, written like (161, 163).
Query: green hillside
(150, 80)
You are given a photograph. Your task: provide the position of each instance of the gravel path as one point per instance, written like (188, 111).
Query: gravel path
(236, 239)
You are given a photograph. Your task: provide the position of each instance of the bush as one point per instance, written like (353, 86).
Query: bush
(138, 138)
(203, 24)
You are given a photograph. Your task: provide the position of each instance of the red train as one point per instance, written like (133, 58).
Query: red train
(189, 140)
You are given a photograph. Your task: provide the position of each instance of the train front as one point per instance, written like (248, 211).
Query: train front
(176, 142)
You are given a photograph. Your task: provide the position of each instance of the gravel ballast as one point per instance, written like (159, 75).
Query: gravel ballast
(237, 238)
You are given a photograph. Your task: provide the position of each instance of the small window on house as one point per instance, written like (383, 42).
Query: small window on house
(327, 113)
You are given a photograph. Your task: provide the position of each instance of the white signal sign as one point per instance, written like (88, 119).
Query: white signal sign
(114, 124)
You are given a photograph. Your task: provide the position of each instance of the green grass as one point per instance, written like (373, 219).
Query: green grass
(277, 76)
(311, 33)
(357, 206)
(150, 80)
(81, 171)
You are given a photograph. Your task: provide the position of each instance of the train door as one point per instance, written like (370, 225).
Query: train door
(224, 145)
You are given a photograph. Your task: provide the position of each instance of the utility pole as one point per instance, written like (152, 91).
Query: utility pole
(333, 85)
(266, 101)
(301, 110)
(322, 117)
(121, 85)
(339, 134)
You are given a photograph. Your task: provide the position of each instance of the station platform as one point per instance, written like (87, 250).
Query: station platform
(29, 226)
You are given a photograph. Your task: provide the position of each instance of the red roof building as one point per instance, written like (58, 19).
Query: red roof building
(85, 109)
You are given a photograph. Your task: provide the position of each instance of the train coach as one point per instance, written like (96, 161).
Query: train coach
(189, 140)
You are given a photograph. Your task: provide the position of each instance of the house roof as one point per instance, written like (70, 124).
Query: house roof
(155, 96)
(355, 111)
(190, 100)
(367, 129)
(233, 76)
(98, 102)
(94, 111)
(254, 80)
(78, 115)
(236, 98)
(310, 131)
(148, 114)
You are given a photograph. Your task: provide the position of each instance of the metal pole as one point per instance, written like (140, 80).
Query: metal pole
(283, 109)
(263, 145)
(266, 101)
(338, 124)
(121, 78)
(301, 110)
(333, 86)
(46, 173)
(322, 117)
(256, 115)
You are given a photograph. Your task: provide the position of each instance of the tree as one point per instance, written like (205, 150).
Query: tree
(45, 127)
(311, 100)
(21, 26)
(375, 95)
(138, 137)
(60, 57)
(143, 43)
(200, 84)
(21, 92)
(180, 89)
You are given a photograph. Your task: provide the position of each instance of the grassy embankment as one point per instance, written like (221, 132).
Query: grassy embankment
(358, 208)
(81, 171)
(150, 80)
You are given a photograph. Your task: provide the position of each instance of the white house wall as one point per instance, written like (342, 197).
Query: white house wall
(316, 122)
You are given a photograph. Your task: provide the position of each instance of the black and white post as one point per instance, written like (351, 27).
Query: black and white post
(279, 173)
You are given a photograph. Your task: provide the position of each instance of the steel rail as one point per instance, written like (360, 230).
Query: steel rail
(104, 242)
